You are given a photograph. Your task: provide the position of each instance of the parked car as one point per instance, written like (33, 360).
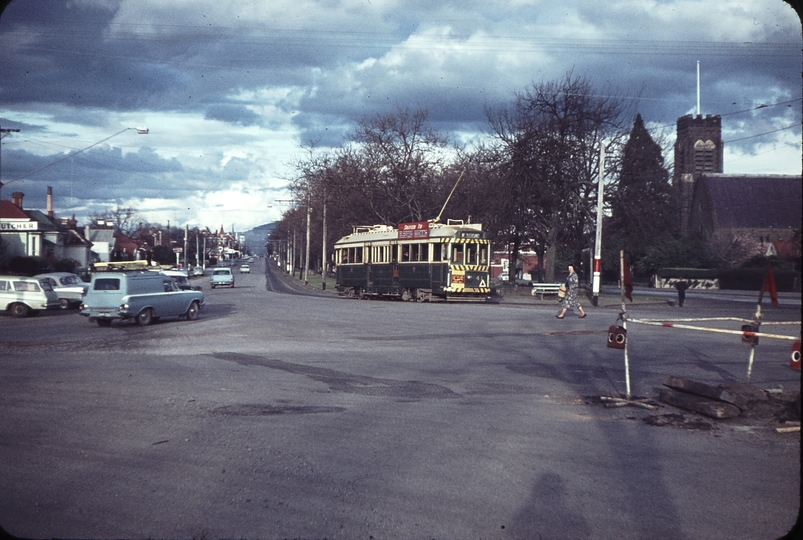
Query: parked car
(23, 296)
(142, 296)
(222, 277)
(245, 269)
(69, 288)
(181, 279)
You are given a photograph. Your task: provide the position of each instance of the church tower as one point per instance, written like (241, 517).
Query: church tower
(698, 150)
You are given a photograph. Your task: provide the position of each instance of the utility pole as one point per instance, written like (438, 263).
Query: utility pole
(598, 243)
(306, 254)
(323, 256)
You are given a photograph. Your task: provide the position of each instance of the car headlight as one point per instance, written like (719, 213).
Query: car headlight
(123, 307)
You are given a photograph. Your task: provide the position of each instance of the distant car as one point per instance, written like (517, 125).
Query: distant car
(245, 269)
(180, 277)
(68, 287)
(197, 271)
(222, 277)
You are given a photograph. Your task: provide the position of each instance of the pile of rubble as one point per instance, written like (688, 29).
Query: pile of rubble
(733, 400)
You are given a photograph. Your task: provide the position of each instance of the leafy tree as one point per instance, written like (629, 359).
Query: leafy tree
(643, 211)
(671, 252)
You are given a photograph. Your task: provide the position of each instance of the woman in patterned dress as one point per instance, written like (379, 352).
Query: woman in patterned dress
(571, 301)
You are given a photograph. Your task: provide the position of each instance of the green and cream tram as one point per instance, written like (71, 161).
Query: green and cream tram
(417, 261)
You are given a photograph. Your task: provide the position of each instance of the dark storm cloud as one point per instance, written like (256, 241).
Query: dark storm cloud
(231, 88)
(233, 114)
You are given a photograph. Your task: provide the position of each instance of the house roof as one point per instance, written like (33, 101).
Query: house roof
(124, 242)
(45, 222)
(73, 238)
(755, 201)
(9, 210)
(101, 235)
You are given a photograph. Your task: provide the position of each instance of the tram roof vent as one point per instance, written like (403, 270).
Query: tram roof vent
(362, 229)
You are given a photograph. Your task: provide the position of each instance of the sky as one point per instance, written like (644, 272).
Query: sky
(233, 93)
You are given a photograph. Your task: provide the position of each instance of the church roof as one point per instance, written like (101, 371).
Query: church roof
(755, 201)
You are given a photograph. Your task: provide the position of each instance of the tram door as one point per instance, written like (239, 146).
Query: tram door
(369, 269)
(395, 286)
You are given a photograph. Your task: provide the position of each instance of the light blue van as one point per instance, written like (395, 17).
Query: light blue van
(142, 296)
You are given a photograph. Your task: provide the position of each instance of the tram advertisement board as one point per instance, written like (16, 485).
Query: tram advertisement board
(414, 231)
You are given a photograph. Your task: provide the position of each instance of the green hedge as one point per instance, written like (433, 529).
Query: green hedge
(690, 273)
(752, 279)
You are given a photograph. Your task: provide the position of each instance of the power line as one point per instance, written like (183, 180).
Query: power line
(760, 134)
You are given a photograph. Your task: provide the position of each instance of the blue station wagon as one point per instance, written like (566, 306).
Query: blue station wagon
(142, 296)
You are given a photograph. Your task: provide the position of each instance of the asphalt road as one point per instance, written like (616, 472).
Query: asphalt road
(279, 415)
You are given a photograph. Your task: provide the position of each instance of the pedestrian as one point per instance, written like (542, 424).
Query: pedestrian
(571, 300)
(681, 285)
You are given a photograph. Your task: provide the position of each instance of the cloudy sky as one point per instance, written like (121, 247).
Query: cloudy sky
(231, 91)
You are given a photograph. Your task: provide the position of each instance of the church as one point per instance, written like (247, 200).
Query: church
(739, 215)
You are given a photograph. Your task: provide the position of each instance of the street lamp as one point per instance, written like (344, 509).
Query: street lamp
(139, 130)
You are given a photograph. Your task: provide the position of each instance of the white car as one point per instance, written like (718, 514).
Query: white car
(23, 296)
(69, 288)
(245, 269)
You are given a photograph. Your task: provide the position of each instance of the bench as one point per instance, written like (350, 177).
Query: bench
(545, 288)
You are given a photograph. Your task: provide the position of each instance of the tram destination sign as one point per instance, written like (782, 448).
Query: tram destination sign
(414, 231)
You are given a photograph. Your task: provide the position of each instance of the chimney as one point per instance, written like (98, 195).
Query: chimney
(72, 223)
(16, 198)
(50, 202)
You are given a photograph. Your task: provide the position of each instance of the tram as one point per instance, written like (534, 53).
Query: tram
(421, 261)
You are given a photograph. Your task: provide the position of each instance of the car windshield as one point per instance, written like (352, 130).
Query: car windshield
(221, 272)
(69, 280)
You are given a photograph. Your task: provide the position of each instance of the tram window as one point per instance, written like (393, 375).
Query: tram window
(471, 253)
(380, 254)
(457, 253)
(483, 255)
(437, 252)
(405, 256)
(418, 252)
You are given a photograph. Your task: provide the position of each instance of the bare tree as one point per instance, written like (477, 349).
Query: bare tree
(124, 219)
(549, 141)
(402, 160)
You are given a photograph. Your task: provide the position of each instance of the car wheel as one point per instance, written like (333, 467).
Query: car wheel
(192, 312)
(145, 317)
(104, 322)
(64, 303)
(20, 310)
